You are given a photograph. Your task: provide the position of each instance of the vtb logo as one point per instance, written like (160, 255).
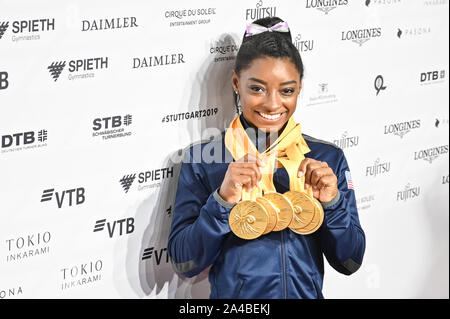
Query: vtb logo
(3, 77)
(122, 226)
(148, 253)
(76, 196)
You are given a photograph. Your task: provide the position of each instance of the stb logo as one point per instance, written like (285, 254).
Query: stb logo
(3, 28)
(3, 78)
(127, 181)
(56, 68)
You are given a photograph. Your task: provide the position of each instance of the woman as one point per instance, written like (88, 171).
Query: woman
(280, 264)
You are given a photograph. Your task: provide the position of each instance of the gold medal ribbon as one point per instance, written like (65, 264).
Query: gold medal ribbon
(289, 149)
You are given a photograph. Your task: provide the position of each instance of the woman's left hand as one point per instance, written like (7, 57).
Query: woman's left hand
(320, 177)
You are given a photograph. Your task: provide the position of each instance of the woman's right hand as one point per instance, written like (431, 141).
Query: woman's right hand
(243, 174)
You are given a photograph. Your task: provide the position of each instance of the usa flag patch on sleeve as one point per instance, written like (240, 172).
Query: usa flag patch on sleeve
(348, 177)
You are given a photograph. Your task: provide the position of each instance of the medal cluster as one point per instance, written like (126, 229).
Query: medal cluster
(249, 219)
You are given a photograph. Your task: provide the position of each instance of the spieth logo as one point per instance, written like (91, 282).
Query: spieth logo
(127, 181)
(121, 229)
(28, 246)
(260, 12)
(346, 142)
(402, 128)
(361, 36)
(146, 177)
(431, 154)
(76, 66)
(158, 253)
(29, 140)
(325, 5)
(24, 30)
(77, 199)
(408, 193)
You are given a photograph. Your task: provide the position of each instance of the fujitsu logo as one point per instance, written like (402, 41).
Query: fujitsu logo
(158, 253)
(76, 196)
(116, 226)
(260, 12)
(3, 28)
(56, 68)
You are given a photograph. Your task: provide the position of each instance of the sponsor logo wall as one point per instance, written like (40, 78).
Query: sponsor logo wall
(97, 99)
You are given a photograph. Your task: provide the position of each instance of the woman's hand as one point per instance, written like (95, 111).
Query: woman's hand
(320, 177)
(242, 174)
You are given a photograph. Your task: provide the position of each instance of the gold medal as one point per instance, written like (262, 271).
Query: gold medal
(248, 219)
(286, 209)
(305, 215)
(272, 211)
(315, 223)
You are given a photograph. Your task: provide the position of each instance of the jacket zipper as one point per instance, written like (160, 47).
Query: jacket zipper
(284, 265)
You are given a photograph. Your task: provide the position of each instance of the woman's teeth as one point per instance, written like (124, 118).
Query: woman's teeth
(270, 117)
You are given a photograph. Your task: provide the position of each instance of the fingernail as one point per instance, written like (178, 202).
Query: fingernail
(306, 186)
(300, 174)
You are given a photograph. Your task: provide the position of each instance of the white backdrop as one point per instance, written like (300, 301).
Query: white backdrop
(75, 224)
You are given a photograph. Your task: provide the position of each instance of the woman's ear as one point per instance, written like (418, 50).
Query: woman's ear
(235, 82)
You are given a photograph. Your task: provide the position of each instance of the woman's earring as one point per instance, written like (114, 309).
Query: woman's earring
(238, 104)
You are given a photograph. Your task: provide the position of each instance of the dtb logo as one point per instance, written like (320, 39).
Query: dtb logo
(74, 196)
(23, 138)
(432, 76)
(3, 80)
(120, 227)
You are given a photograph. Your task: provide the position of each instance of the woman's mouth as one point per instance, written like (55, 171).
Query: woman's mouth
(270, 117)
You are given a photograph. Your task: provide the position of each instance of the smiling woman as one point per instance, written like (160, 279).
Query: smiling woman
(265, 219)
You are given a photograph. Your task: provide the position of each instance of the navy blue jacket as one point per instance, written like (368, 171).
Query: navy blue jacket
(281, 264)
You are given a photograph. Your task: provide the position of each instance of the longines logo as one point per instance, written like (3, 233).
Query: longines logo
(323, 95)
(402, 128)
(346, 141)
(406, 32)
(431, 154)
(146, 180)
(10, 292)
(189, 17)
(378, 168)
(260, 11)
(158, 61)
(78, 69)
(157, 253)
(112, 127)
(409, 192)
(24, 141)
(81, 274)
(360, 36)
(303, 45)
(24, 30)
(28, 246)
(325, 5)
(4, 83)
(108, 24)
(189, 115)
(432, 77)
(117, 227)
(225, 50)
(69, 197)
(365, 202)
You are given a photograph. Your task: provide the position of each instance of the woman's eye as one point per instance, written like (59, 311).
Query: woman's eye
(256, 88)
(288, 91)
